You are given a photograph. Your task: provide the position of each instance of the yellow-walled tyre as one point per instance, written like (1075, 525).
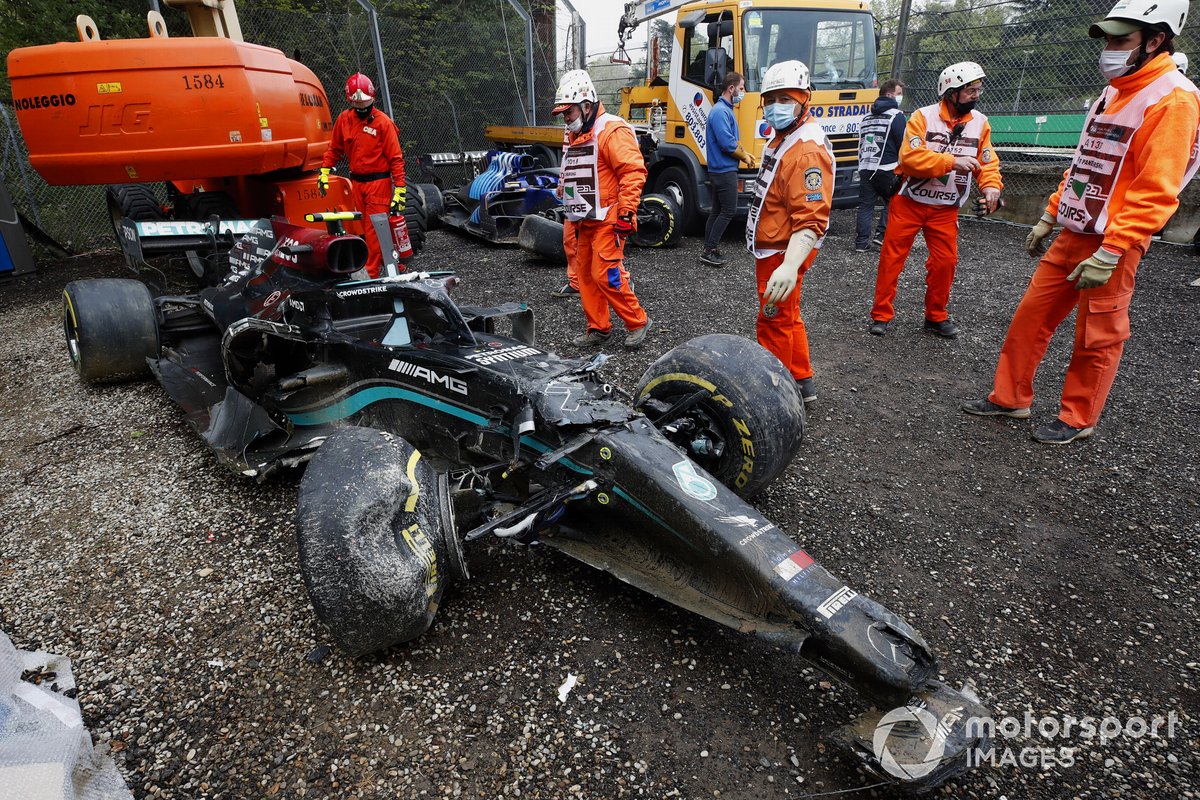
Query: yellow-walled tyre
(376, 539)
(659, 222)
(730, 405)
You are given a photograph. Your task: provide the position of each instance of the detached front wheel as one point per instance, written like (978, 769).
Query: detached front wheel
(376, 539)
(730, 405)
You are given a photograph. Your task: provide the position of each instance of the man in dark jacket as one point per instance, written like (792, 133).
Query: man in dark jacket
(880, 136)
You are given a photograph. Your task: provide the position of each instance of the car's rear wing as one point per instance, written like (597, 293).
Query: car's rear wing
(149, 238)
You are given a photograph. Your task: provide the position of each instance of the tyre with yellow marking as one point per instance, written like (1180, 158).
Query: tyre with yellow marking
(111, 326)
(377, 543)
(660, 222)
(730, 405)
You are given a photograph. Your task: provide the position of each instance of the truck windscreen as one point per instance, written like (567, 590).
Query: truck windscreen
(838, 47)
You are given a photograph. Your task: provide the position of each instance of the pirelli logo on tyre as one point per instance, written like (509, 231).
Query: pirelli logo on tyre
(423, 549)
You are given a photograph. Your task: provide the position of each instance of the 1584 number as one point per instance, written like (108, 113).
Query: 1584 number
(203, 81)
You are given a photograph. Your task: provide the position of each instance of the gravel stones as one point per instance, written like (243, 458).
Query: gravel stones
(1063, 580)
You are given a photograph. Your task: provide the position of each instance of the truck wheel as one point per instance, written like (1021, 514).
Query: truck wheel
(431, 198)
(730, 405)
(658, 222)
(676, 184)
(543, 237)
(111, 327)
(376, 539)
(133, 200)
(208, 268)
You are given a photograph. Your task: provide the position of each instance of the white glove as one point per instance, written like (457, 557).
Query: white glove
(1034, 242)
(783, 279)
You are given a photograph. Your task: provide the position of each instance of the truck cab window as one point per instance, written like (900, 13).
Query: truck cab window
(837, 47)
(708, 50)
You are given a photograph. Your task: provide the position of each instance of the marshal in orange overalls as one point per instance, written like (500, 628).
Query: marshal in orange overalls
(795, 183)
(595, 253)
(372, 149)
(929, 200)
(1161, 157)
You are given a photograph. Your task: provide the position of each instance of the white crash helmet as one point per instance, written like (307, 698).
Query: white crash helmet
(1128, 16)
(959, 75)
(1181, 61)
(786, 75)
(574, 87)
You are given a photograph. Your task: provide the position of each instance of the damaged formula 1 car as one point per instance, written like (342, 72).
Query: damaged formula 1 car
(434, 430)
(512, 199)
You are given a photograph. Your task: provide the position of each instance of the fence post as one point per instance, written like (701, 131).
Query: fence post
(901, 29)
(581, 42)
(369, 7)
(520, 9)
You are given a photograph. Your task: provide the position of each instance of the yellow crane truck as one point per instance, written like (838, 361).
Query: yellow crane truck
(837, 39)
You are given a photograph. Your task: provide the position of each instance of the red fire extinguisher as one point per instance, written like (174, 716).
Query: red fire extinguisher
(400, 238)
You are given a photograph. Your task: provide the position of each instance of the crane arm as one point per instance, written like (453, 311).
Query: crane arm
(637, 13)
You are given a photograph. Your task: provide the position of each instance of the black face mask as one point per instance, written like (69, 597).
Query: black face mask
(965, 108)
(363, 113)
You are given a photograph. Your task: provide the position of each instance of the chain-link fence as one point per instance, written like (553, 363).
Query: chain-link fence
(457, 68)
(1042, 73)
(452, 71)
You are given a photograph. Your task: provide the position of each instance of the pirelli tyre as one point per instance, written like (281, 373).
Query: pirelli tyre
(660, 222)
(111, 326)
(431, 198)
(133, 200)
(376, 539)
(729, 404)
(543, 237)
(677, 184)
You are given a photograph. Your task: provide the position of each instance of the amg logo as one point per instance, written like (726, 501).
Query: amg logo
(504, 354)
(836, 601)
(428, 375)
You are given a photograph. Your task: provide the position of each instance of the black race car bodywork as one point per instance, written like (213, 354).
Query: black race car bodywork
(434, 430)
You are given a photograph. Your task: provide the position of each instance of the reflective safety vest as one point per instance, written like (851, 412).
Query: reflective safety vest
(952, 188)
(872, 137)
(772, 157)
(581, 174)
(1103, 145)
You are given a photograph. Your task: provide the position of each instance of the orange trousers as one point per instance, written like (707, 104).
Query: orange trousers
(571, 248)
(598, 262)
(372, 197)
(906, 218)
(1101, 330)
(783, 333)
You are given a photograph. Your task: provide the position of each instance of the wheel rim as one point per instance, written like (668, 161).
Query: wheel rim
(675, 192)
(699, 432)
(652, 225)
(71, 329)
